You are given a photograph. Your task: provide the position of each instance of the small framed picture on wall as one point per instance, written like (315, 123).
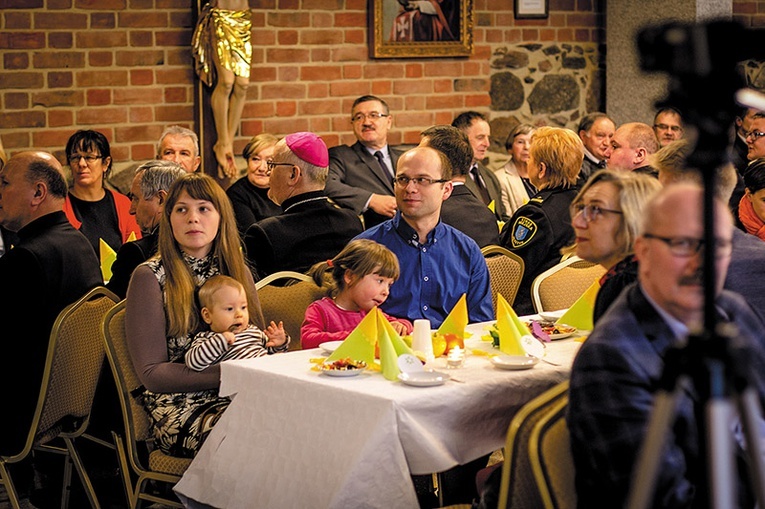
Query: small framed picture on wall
(420, 28)
(531, 9)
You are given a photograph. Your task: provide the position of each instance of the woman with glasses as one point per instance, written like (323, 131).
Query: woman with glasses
(606, 216)
(249, 195)
(538, 230)
(99, 213)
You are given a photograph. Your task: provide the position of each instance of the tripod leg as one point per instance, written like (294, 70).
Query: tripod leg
(646, 467)
(751, 418)
(721, 454)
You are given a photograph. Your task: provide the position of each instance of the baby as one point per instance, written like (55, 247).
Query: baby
(231, 335)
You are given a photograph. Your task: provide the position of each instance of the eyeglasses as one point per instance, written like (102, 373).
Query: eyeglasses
(755, 135)
(403, 181)
(688, 246)
(359, 117)
(272, 165)
(591, 212)
(665, 127)
(89, 159)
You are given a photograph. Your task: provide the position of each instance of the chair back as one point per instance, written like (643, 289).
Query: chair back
(72, 368)
(138, 436)
(288, 302)
(518, 488)
(558, 287)
(505, 272)
(551, 461)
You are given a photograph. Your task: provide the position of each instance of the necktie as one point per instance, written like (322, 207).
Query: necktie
(481, 186)
(602, 164)
(381, 160)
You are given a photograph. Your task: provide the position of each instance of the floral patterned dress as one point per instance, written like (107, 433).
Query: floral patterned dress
(181, 421)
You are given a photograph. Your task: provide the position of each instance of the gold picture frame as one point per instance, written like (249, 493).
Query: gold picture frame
(422, 28)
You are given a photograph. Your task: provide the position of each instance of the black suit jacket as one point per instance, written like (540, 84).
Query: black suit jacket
(52, 266)
(130, 256)
(469, 215)
(354, 175)
(492, 185)
(311, 228)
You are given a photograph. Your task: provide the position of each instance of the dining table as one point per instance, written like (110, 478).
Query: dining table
(295, 437)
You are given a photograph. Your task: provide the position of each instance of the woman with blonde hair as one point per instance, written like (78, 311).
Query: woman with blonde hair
(606, 216)
(197, 240)
(513, 177)
(249, 195)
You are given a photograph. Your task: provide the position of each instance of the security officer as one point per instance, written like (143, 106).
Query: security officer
(539, 229)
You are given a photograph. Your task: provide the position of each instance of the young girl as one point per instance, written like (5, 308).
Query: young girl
(361, 276)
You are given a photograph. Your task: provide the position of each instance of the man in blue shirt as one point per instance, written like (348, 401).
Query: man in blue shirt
(438, 262)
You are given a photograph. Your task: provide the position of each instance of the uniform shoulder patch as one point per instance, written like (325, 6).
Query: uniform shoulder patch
(537, 199)
(523, 231)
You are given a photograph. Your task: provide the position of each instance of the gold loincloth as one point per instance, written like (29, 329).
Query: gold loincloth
(228, 33)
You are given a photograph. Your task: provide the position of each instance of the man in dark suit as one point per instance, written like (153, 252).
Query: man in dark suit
(461, 209)
(148, 191)
(595, 130)
(617, 370)
(361, 175)
(480, 180)
(51, 266)
(311, 227)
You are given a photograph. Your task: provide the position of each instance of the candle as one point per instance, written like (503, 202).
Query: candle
(455, 357)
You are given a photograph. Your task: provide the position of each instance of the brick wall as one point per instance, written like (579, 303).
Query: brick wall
(124, 67)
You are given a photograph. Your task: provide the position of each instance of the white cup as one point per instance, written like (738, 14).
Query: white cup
(421, 339)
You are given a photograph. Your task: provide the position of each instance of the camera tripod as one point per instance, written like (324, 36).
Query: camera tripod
(713, 362)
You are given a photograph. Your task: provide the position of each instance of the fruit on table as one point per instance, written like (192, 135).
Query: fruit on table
(439, 345)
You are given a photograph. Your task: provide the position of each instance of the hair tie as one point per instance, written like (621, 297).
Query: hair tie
(330, 264)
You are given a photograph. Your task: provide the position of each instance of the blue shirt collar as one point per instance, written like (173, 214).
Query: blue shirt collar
(411, 237)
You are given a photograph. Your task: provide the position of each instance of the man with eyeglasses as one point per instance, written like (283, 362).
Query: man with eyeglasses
(311, 227)
(360, 175)
(438, 262)
(618, 368)
(668, 125)
(755, 137)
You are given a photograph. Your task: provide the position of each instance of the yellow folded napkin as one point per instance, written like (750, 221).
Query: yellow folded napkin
(360, 344)
(510, 328)
(108, 255)
(580, 313)
(131, 237)
(456, 320)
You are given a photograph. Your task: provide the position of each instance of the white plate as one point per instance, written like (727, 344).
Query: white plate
(330, 346)
(513, 361)
(424, 378)
(552, 316)
(562, 335)
(342, 372)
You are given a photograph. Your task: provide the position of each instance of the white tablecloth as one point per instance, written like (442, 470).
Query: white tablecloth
(293, 437)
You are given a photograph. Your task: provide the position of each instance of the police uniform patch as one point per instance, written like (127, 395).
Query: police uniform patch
(523, 231)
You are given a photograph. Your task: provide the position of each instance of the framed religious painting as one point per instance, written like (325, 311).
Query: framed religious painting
(420, 28)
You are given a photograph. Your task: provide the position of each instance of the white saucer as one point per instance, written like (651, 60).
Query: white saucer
(552, 316)
(514, 362)
(424, 378)
(330, 346)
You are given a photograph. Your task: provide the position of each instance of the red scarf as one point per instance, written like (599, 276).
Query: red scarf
(749, 218)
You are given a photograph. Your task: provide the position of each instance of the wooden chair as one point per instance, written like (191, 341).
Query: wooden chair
(288, 302)
(72, 368)
(518, 488)
(558, 287)
(551, 461)
(131, 450)
(505, 272)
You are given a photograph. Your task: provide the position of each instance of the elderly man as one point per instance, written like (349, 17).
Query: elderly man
(148, 191)
(50, 267)
(360, 175)
(668, 125)
(617, 370)
(595, 131)
(481, 181)
(438, 262)
(180, 145)
(311, 227)
(631, 146)
(461, 209)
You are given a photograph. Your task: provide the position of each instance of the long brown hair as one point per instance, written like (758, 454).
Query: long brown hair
(182, 309)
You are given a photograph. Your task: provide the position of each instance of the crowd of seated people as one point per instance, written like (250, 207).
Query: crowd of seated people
(300, 204)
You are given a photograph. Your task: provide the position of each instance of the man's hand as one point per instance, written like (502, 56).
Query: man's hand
(383, 205)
